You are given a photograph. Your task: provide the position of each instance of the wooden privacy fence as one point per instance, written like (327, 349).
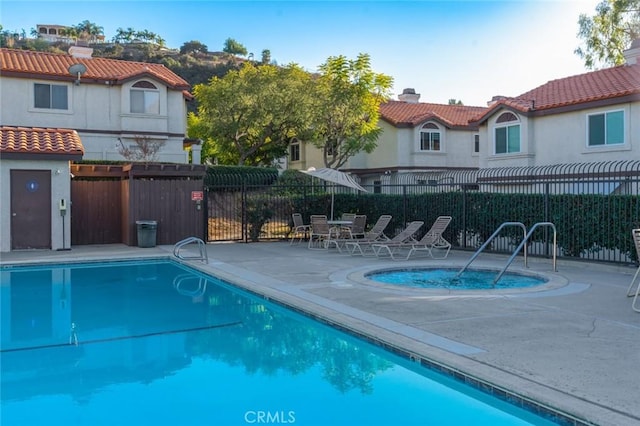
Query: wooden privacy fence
(107, 200)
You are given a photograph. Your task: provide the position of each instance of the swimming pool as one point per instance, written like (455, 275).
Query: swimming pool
(155, 342)
(447, 278)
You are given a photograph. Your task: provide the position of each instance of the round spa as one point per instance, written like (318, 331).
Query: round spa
(445, 278)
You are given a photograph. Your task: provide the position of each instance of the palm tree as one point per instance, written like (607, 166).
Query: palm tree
(87, 30)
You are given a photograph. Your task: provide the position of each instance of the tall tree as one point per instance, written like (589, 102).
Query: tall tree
(193, 46)
(348, 97)
(88, 30)
(454, 101)
(608, 33)
(266, 56)
(249, 116)
(233, 47)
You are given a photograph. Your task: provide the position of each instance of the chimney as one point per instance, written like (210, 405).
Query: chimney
(409, 96)
(494, 100)
(81, 52)
(632, 54)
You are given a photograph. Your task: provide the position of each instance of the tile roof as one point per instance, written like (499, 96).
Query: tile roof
(575, 91)
(405, 114)
(25, 63)
(34, 140)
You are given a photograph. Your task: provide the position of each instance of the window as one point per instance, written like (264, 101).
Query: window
(50, 96)
(476, 144)
(145, 98)
(430, 137)
(294, 152)
(606, 128)
(507, 135)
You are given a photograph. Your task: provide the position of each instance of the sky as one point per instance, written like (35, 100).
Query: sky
(467, 50)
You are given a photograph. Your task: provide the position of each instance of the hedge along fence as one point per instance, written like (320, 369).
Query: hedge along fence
(590, 226)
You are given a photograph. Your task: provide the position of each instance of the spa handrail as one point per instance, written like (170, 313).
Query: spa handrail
(486, 243)
(201, 247)
(523, 244)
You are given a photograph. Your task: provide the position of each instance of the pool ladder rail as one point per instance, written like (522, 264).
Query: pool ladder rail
(202, 249)
(521, 246)
(180, 283)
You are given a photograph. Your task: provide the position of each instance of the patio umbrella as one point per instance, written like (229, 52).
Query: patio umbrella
(334, 176)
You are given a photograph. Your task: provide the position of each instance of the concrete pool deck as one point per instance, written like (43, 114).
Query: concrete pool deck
(573, 345)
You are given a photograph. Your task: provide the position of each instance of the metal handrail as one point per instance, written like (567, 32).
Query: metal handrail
(201, 247)
(523, 244)
(486, 243)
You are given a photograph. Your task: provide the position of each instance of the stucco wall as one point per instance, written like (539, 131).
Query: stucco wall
(400, 147)
(99, 112)
(60, 189)
(562, 138)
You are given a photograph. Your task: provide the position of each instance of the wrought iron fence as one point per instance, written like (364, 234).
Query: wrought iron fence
(594, 206)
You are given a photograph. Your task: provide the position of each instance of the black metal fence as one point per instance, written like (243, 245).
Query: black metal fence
(593, 206)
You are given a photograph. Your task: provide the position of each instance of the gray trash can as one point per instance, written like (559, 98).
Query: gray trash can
(147, 233)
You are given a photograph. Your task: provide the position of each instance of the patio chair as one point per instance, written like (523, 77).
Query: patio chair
(365, 247)
(432, 240)
(299, 231)
(321, 234)
(356, 229)
(635, 233)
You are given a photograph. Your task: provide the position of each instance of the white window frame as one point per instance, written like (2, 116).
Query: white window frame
(606, 144)
(50, 108)
(150, 99)
(430, 128)
(507, 125)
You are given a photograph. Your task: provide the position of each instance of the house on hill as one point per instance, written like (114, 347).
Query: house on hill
(113, 105)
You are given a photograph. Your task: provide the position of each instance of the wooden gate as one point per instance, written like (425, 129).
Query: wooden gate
(109, 199)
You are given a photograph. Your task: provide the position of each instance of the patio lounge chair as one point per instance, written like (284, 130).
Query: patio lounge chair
(375, 234)
(299, 230)
(432, 240)
(635, 233)
(364, 247)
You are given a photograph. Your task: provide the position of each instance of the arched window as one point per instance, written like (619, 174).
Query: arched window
(507, 134)
(430, 137)
(145, 98)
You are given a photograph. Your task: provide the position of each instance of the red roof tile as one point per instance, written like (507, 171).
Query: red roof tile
(33, 140)
(606, 84)
(403, 114)
(16, 63)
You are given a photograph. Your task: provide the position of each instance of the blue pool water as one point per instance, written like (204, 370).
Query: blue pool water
(446, 279)
(155, 343)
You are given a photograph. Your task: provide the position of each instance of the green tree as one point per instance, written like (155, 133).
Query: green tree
(454, 101)
(608, 33)
(87, 30)
(249, 116)
(233, 47)
(348, 97)
(193, 46)
(266, 56)
(124, 36)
